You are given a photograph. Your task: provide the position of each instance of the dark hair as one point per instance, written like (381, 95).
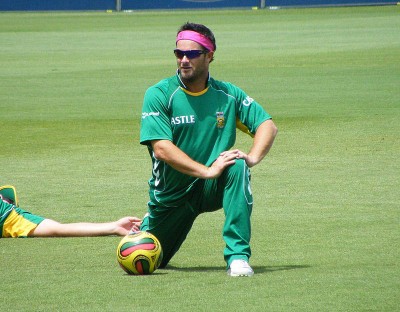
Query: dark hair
(201, 29)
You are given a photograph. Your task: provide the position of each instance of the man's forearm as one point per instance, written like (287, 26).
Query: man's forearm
(263, 140)
(169, 153)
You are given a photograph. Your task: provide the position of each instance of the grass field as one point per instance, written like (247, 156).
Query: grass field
(326, 214)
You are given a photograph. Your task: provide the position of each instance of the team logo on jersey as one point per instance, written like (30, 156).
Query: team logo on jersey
(220, 120)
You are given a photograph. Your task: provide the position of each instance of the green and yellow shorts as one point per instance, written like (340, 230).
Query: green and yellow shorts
(16, 222)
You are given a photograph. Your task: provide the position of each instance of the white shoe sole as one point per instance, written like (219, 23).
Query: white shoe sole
(248, 274)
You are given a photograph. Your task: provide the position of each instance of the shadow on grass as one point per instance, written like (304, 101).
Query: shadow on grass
(258, 269)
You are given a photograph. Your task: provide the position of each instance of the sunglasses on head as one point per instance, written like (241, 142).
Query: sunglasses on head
(191, 54)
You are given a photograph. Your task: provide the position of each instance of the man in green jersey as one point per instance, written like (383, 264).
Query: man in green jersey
(189, 125)
(16, 222)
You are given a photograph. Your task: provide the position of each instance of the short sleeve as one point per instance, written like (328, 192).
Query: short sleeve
(249, 112)
(155, 123)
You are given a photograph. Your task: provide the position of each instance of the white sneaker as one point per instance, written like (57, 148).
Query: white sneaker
(240, 268)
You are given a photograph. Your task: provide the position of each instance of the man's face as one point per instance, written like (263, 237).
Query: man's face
(194, 69)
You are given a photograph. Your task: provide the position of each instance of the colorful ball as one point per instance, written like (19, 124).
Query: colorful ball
(139, 253)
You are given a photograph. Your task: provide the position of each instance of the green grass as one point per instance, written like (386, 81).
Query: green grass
(326, 214)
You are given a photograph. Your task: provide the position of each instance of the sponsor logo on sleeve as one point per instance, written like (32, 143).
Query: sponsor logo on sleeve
(145, 114)
(247, 101)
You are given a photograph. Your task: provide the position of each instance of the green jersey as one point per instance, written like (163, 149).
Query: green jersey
(201, 124)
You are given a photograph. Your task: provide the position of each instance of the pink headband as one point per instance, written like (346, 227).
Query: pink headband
(196, 37)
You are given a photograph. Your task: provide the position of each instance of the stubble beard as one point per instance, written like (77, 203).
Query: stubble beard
(192, 76)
